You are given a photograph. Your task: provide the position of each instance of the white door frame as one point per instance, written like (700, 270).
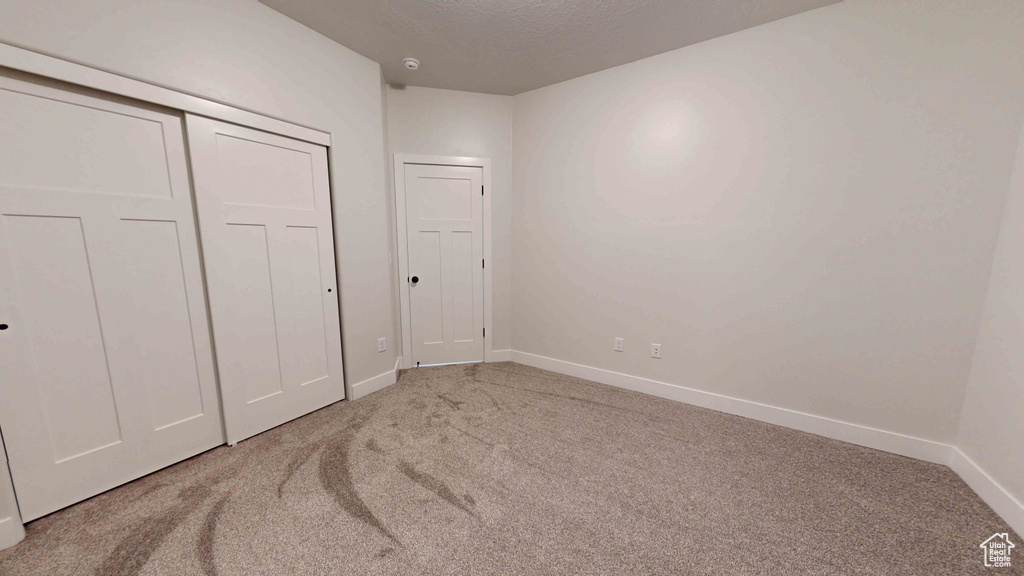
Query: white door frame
(401, 225)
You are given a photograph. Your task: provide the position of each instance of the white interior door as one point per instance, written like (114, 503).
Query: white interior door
(106, 364)
(444, 215)
(265, 220)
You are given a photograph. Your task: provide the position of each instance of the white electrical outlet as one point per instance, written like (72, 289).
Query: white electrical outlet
(382, 344)
(618, 344)
(655, 350)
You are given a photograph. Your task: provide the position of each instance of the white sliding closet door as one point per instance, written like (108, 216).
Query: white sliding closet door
(106, 369)
(268, 243)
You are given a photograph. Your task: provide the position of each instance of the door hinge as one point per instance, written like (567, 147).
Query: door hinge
(485, 332)
(483, 263)
(481, 189)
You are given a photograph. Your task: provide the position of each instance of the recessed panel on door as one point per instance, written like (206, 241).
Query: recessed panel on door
(265, 215)
(267, 175)
(107, 364)
(98, 150)
(305, 355)
(250, 356)
(426, 292)
(50, 261)
(464, 286)
(444, 219)
(158, 298)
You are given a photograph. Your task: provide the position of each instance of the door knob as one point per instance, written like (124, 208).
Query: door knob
(3, 326)
(415, 279)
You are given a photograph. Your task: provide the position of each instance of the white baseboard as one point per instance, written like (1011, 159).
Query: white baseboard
(501, 356)
(1004, 504)
(847, 432)
(378, 382)
(11, 532)
(1001, 501)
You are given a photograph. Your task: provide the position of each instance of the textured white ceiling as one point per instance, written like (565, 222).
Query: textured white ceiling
(512, 46)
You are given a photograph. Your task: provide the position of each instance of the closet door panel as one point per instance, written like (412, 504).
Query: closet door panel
(265, 216)
(107, 364)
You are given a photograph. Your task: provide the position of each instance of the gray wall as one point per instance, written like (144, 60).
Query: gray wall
(992, 423)
(803, 214)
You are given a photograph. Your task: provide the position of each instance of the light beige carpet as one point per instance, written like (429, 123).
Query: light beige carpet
(505, 469)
